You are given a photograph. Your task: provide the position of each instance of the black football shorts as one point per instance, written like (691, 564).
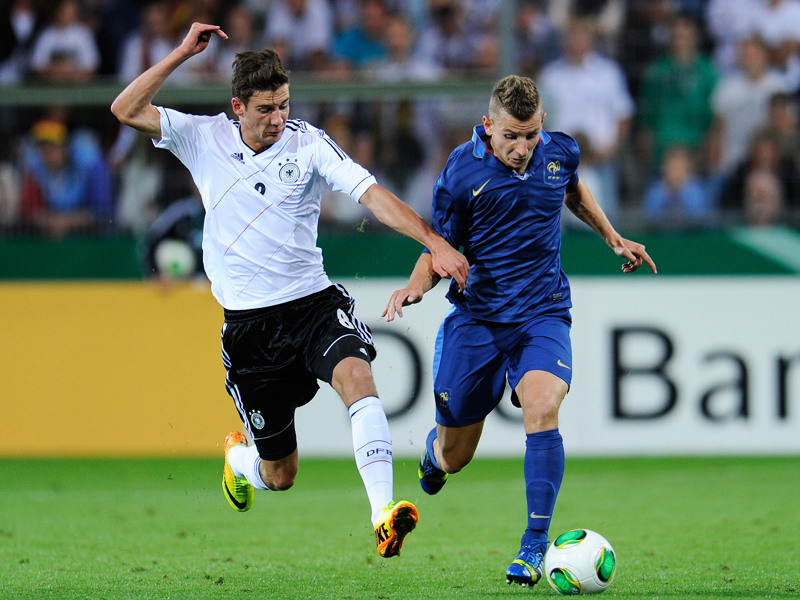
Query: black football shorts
(275, 355)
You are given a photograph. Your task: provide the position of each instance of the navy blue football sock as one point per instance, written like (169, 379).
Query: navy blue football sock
(544, 470)
(429, 445)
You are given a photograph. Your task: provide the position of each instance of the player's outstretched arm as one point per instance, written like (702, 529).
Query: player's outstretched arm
(134, 107)
(391, 211)
(423, 278)
(584, 205)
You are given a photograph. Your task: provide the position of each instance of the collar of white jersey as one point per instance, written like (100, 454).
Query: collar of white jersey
(255, 153)
(479, 138)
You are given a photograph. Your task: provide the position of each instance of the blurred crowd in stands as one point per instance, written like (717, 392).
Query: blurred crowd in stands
(686, 111)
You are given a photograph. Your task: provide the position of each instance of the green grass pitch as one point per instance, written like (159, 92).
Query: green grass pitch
(683, 528)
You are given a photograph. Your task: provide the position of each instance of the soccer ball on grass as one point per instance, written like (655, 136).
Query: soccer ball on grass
(580, 561)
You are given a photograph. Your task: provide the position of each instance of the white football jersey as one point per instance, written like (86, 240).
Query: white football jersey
(262, 208)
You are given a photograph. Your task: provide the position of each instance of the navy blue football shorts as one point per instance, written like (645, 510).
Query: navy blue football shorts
(275, 355)
(474, 359)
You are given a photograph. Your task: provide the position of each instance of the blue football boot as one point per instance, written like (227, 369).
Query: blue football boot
(431, 478)
(526, 569)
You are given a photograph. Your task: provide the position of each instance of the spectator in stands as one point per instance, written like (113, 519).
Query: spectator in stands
(608, 17)
(244, 34)
(9, 185)
(259, 8)
(675, 97)
(695, 8)
(740, 103)
(764, 156)
(140, 175)
(679, 198)
(408, 129)
(538, 39)
(481, 15)
(8, 38)
(182, 14)
(347, 13)
(65, 51)
(777, 22)
(644, 37)
(365, 42)
(66, 185)
(148, 44)
(728, 23)
(115, 22)
(763, 200)
(138, 166)
(21, 24)
(402, 62)
(447, 42)
(301, 31)
(359, 47)
(783, 123)
(588, 95)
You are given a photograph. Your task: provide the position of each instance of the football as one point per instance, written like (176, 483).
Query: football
(580, 561)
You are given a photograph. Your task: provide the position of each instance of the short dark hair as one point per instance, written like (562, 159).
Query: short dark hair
(517, 96)
(257, 71)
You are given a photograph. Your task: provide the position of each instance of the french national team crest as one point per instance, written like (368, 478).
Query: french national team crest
(289, 173)
(553, 173)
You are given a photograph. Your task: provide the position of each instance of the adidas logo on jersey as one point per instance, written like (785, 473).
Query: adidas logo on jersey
(238, 156)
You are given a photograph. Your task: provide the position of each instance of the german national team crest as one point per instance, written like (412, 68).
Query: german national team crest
(256, 419)
(289, 173)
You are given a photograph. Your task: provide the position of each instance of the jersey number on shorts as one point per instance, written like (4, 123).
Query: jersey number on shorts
(343, 319)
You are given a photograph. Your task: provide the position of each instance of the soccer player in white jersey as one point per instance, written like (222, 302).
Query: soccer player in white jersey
(261, 179)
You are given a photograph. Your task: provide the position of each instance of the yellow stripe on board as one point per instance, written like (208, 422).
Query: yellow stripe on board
(112, 369)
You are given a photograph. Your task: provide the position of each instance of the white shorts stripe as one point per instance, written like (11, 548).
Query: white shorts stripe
(237, 400)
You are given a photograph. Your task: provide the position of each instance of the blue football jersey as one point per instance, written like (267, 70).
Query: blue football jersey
(509, 226)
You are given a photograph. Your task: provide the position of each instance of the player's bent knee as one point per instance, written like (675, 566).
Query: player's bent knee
(352, 367)
(352, 379)
(542, 412)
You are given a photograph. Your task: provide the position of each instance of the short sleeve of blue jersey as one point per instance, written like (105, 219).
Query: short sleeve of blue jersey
(573, 151)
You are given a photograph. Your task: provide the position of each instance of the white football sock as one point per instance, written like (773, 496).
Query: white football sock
(245, 462)
(372, 447)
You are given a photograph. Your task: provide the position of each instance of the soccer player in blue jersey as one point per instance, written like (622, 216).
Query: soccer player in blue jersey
(499, 198)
